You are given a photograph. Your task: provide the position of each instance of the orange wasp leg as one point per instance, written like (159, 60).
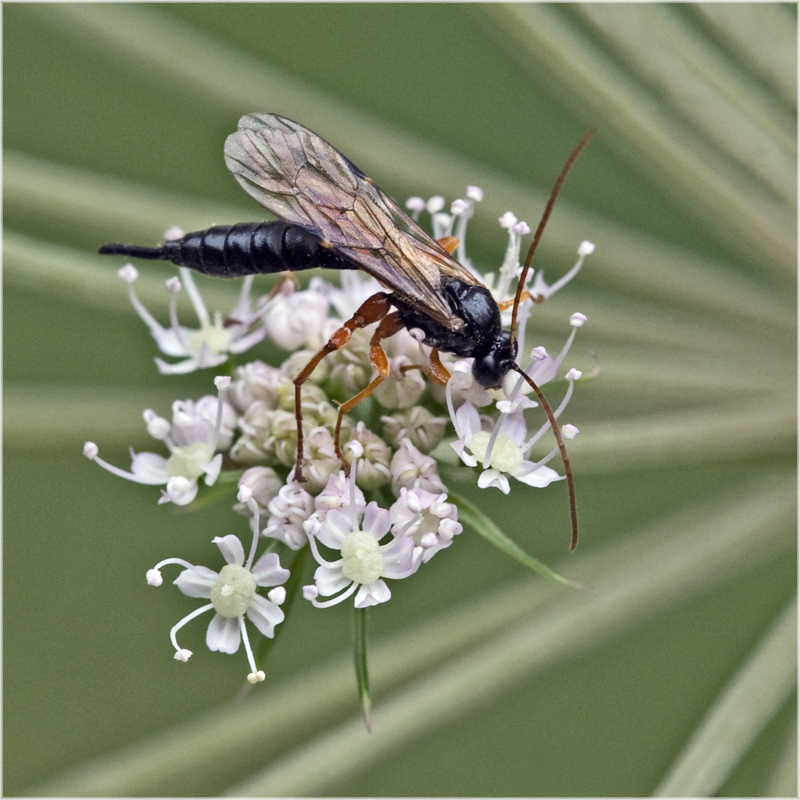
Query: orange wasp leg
(436, 371)
(449, 243)
(526, 295)
(373, 309)
(389, 326)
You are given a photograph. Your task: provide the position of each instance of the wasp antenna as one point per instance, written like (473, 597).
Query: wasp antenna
(538, 235)
(573, 506)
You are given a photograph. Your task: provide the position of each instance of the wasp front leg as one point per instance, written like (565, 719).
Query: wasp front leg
(435, 370)
(504, 305)
(372, 310)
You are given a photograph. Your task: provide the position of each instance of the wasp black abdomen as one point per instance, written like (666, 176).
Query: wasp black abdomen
(225, 250)
(247, 248)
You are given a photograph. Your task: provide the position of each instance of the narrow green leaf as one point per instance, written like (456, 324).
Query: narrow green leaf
(754, 696)
(476, 519)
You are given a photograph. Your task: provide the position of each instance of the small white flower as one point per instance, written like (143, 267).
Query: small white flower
(354, 289)
(264, 484)
(321, 460)
(288, 511)
(364, 561)
(427, 518)
(463, 387)
(350, 367)
(338, 493)
(411, 469)
(211, 343)
(501, 451)
(233, 595)
(401, 389)
(296, 319)
(373, 468)
(198, 430)
(257, 381)
(417, 424)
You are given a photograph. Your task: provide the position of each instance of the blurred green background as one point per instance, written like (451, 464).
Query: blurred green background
(487, 681)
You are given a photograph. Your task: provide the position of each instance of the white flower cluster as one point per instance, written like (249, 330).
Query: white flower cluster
(391, 515)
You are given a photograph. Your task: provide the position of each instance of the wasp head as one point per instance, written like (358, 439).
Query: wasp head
(489, 368)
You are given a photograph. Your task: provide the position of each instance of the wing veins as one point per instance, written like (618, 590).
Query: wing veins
(304, 180)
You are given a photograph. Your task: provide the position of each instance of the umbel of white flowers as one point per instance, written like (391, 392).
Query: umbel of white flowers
(394, 512)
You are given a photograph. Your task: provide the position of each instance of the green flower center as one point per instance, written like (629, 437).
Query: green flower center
(506, 456)
(216, 336)
(362, 559)
(233, 591)
(185, 461)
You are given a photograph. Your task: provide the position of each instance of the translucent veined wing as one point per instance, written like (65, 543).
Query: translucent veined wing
(303, 180)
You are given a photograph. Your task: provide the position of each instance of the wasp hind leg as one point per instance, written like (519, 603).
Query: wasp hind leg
(373, 309)
(389, 326)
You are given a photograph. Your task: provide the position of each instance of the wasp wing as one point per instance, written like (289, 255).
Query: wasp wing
(304, 180)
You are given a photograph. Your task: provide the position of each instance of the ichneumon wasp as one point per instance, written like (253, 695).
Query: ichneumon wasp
(331, 215)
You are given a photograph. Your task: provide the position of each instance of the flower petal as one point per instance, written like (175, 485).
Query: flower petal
(180, 491)
(514, 427)
(377, 521)
(181, 368)
(399, 558)
(208, 358)
(212, 469)
(196, 581)
(231, 548)
(493, 477)
(370, 594)
(223, 634)
(269, 572)
(330, 580)
(170, 342)
(337, 525)
(150, 468)
(541, 477)
(264, 615)
(467, 421)
(242, 343)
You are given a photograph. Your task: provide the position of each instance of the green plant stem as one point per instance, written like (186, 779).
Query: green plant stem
(361, 664)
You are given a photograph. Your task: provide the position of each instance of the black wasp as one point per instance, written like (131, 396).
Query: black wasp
(331, 215)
